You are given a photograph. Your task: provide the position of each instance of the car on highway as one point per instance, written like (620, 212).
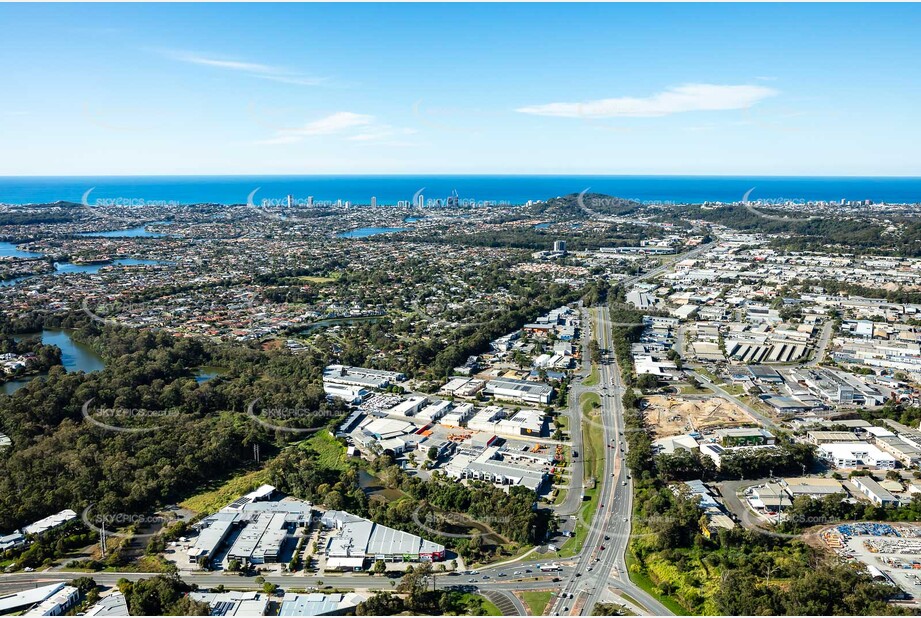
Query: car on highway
(472, 581)
(501, 575)
(625, 519)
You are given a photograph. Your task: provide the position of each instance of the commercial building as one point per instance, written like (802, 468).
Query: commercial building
(234, 603)
(855, 455)
(877, 494)
(360, 376)
(50, 523)
(113, 604)
(744, 436)
(408, 408)
(827, 437)
(11, 541)
(261, 540)
(346, 392)
(838, 387)
(770, 497)
(56, 604)
(670, 444)
(716, 515)
(317, 604)
(256, 527)
(358, 540)
(498, 466)
(215, 531)
(27, 599)
(519, 390)
(813, 487)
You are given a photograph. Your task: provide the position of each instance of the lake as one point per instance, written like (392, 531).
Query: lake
(74, 356)
(364, 232)
(208, 372)
(63, 268)
(8, 249)
(68, 267)
(140, 231)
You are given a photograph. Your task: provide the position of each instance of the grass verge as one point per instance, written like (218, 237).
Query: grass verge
(536, 600)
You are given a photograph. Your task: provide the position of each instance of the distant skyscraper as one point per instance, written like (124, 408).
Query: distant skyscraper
(339, 203)
(373, 202)
(421, 201)
(290, 201)
(309, 201)
(559, 245)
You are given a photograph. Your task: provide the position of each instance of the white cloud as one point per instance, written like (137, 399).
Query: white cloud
(382, 132)
(252, 69)
(676, 100)
(339, 122)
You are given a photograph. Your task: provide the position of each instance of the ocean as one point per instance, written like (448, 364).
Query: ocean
(472, 190)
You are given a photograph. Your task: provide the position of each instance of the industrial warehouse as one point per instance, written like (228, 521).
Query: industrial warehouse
(255, 527)
(357, 541)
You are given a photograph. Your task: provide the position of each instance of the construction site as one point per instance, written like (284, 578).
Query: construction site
(668, 416)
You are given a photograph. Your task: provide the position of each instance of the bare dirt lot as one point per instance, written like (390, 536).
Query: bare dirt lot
(673, 416)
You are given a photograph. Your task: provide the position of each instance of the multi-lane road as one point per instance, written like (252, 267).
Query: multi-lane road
(597, 569)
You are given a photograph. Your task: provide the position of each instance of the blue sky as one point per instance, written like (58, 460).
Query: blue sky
(513, 88)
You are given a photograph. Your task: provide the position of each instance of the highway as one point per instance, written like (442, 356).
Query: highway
(597, 569)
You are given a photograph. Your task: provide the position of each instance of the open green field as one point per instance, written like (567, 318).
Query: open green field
(332, 454)
(219, 494)
(687, 389)
(329, 279)
(536, 600)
